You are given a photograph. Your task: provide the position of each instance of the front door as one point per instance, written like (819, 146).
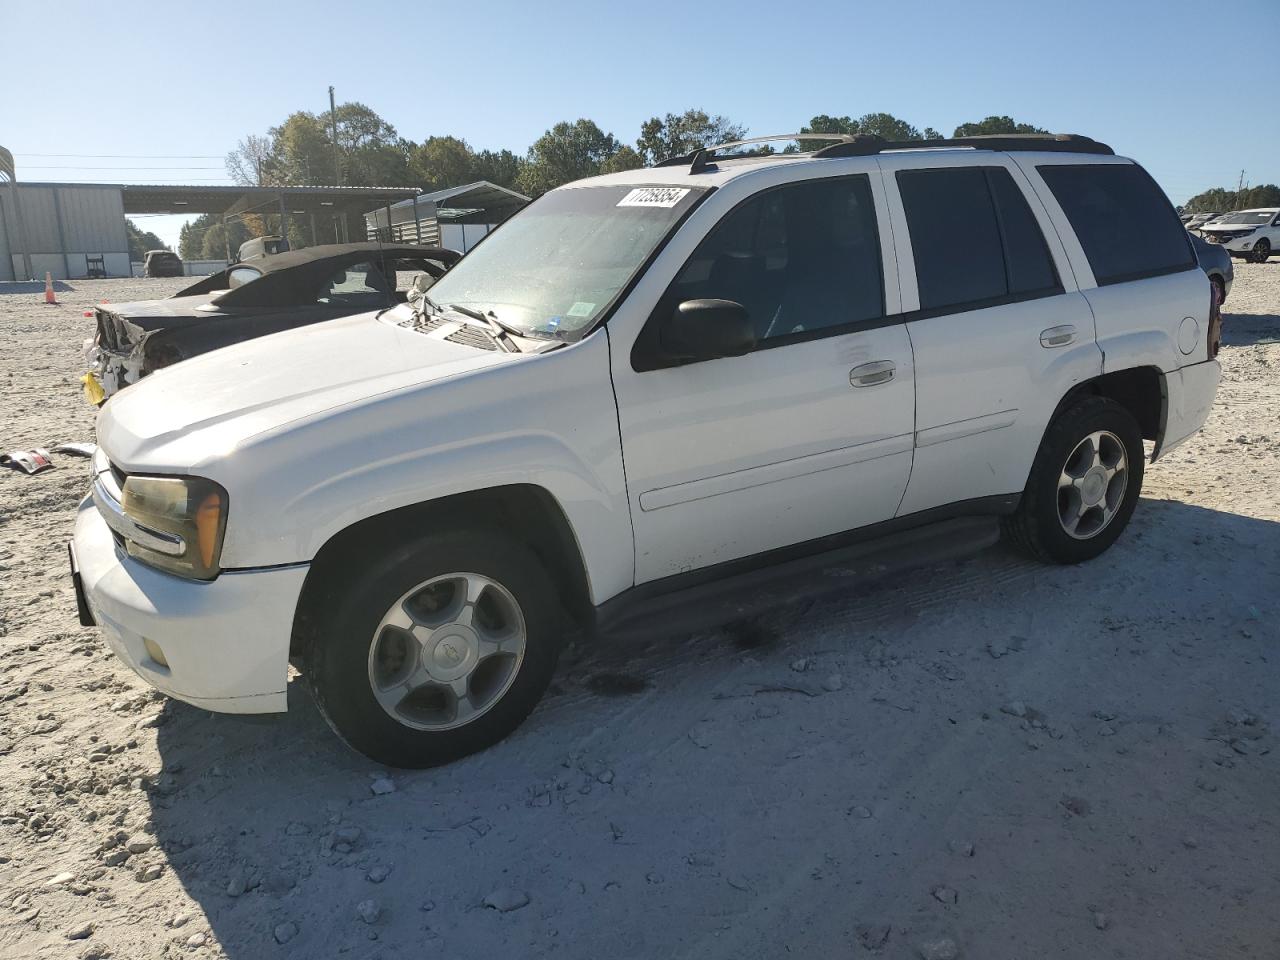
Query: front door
(810, 434)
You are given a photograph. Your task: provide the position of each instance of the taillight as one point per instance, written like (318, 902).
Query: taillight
(1214, 342)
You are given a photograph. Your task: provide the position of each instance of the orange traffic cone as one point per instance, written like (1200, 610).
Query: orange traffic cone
(48, 289)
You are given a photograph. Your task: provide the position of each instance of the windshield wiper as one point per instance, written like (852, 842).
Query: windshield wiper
(496, 327)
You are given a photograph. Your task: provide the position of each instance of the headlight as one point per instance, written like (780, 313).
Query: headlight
(186, 517)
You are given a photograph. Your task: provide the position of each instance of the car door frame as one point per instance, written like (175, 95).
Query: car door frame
(987, 458)
(631, 328)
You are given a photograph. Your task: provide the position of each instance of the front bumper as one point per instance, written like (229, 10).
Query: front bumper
(223, 644)
(1191, 393)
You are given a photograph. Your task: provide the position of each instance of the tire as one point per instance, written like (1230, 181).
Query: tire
(357, 647)
(1261, 251)
(1038, 528)
(1221, 287)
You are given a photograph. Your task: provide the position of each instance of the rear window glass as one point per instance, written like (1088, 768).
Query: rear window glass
(1125, 224)
(954, 236)
(975, 241)
(1027, 262)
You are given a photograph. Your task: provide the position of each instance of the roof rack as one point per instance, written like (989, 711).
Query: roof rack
(701, 158)
(866, 145)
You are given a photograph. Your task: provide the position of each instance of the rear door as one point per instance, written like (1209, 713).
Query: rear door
(999, 331)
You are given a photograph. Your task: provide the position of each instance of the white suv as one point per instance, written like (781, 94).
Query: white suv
(655, 397)
(1249, 234)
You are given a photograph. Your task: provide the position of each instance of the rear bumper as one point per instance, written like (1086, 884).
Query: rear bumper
(1191, 392)
(223, 644)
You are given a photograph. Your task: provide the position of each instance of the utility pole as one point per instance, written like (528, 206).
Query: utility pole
(337, 154)
(1240, 190)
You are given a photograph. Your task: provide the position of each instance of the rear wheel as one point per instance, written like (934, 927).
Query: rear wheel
(1261, 251)
(436, 649)
(1084, 484)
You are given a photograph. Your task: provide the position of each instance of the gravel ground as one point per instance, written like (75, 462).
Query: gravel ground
(988, 759)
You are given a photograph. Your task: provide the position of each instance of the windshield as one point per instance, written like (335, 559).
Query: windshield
(1251, 216)
(554, 267)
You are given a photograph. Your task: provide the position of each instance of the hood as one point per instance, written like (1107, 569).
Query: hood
(148, 315)
(1214, 227)
(197, 411)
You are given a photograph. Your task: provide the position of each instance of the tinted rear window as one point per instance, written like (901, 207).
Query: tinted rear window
(954, 236)
(1027, 259)
(1126, 225)
(974, 239)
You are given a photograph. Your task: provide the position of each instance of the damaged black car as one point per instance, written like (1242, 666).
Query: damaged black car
(250, 300)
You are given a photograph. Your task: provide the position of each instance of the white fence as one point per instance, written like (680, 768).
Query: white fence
(190, 268)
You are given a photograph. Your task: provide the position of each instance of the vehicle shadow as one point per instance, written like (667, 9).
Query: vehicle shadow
(651, 772)
(1247, 329)
(32, 286)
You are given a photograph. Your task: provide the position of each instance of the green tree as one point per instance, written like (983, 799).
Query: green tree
(205, 237)
(884, 125)
(498, 166)
(677, 134)
(140, 241)
(624, 159)
(441, 162)
(566, 152)
(1221, 200)
(995, 125)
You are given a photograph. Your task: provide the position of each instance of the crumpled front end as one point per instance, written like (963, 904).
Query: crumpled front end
(114, 357)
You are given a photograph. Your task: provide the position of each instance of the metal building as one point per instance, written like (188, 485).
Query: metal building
(67, 229)
(456, 217)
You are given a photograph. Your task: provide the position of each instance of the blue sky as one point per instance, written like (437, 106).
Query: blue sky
(1180, 86)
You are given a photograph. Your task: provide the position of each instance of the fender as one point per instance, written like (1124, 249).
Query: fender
(1144, 348)
(294, 489)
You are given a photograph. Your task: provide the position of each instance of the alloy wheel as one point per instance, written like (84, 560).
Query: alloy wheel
(1091, 485)
(447, 651)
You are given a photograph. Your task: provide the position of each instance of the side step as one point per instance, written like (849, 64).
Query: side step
(683, 609)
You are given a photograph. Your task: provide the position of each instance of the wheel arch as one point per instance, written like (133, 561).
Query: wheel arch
(529, 512)
(1142, 390)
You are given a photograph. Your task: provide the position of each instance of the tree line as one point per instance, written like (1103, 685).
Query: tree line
(1222, 200)
(354, 146)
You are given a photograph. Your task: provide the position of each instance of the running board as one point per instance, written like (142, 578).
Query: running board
(685, 607)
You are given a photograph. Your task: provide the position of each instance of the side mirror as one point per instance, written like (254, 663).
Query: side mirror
(707, 330)
(421, 284)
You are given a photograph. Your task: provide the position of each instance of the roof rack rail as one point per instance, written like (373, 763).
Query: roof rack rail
(868, 144)
(701, 158)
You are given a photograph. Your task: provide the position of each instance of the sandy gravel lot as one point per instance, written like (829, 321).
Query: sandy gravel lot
(1027, 761)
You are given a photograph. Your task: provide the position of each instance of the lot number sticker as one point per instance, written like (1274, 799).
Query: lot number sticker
(654, 197)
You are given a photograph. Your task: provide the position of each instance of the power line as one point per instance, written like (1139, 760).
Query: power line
(87, 167)
(148, 183)
(127, 156)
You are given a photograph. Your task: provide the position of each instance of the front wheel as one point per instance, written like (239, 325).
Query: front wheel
(1084, 484)
(1261, 251)
(436, 649)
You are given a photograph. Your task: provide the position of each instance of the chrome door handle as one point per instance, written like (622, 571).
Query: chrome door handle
(1058, 336)
(870, 374)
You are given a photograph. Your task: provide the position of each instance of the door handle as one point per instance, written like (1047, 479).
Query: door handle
(1058, 336)
(870, 374)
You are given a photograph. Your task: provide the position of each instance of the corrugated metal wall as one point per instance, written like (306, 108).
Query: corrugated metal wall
(6, 264)
(63, 227)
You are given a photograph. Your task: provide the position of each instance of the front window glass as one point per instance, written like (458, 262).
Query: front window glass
(799, 258)
(554, 267)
